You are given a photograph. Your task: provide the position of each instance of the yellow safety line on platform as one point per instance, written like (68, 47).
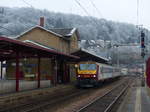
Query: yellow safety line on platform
(138, 100)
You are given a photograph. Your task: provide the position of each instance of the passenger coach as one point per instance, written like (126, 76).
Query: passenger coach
(91, 73)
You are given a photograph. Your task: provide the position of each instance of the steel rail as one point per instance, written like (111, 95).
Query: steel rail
(99, 98)
(41, 107)
(34, 102)
(38, 104)
(116, 99)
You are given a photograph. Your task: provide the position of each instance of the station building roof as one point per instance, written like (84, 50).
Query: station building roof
(88, 56)
(9, 47)
(65, 33)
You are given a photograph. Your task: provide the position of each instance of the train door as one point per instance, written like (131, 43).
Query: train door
(100, 72)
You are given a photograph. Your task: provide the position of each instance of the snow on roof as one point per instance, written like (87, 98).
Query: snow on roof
(93, 41)
(37, 26)
(29, 41)
(82, 49)
(64, 31)
(60, 32)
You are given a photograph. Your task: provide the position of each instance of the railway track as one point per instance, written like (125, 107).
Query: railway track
(37, 105)
(44, 104)
(106, 102)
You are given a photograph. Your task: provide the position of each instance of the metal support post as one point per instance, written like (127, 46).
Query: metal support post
(55, 75)
(55, 71)
(118, 57)
(143, 76)
(39, 72)
(1, 69)
(17, 71)
(65, 72)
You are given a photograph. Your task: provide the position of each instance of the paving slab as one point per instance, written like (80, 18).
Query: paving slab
(137, 100)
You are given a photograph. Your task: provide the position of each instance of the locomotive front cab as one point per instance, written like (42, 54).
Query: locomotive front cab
(87, 74)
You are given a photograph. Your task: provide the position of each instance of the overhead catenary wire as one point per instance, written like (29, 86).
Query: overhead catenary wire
(30, 5)
(2, 27)
(82, 7)
(137, 22)
(139, 15)
(98, 11)
(92, 19)
(7, 29)
(27, 3)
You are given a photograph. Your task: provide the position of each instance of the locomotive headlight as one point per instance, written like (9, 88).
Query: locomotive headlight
(94, 75)
(76, 66)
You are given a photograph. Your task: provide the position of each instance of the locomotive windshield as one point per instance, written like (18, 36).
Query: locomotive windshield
(87, 66)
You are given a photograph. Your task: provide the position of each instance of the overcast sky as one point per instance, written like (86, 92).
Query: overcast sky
(116, 10)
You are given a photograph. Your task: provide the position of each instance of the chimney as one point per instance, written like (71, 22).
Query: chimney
(42, 21)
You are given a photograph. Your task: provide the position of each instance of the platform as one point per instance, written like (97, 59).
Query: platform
(137, 100)
(9, 86)
(25, 96)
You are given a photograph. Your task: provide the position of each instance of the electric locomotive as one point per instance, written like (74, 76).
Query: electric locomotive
(91, 73)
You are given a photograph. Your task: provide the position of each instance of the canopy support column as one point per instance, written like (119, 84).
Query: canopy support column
(54, 71)
(64, 72)
(55, 75)
(17, 71)
(1, 70)
(39, 71)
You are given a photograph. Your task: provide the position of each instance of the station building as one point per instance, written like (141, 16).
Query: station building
(61, 40)
(54, 68)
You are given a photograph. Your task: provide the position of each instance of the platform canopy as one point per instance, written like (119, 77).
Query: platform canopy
(10, 47)
(88, 56)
